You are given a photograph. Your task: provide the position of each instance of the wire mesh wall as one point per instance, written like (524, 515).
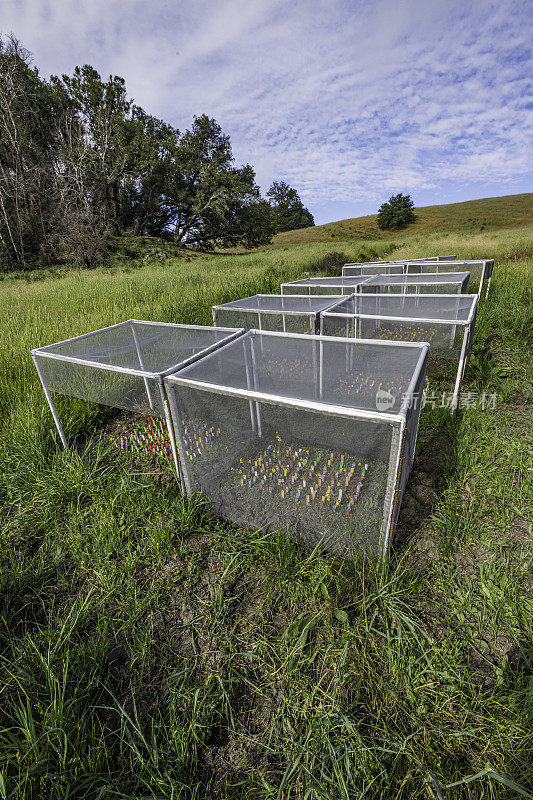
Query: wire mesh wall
(276, 312)
(446, 322)
(123, 365)
(366, 270)
(323, 285)
(421, 283)
(480, 271)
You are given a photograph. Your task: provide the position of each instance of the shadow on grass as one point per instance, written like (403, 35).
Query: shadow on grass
(434, 465)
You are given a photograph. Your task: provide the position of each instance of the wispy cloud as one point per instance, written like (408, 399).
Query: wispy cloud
(342, 99)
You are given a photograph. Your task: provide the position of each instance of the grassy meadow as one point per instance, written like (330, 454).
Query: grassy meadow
(148, 650)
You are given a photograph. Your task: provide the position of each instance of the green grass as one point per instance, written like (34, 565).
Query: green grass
(149, 650)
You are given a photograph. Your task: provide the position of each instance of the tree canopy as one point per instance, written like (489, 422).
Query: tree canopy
(399, 211)
(79, 161)
(288, 211)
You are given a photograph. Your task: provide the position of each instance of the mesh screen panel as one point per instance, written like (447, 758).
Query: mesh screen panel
(83, 367)
(322, 286)
(163, 347)
(450, 308)
(328, 478)
(346, 374)
(438, 320)
(115, 345)
(365, 270)
(301, 473)
(101, 385)
(297, 313)
(278, 302)
(438, 283)
(291, 323)
(475, 268)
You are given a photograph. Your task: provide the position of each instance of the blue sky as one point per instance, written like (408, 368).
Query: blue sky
(349, 102)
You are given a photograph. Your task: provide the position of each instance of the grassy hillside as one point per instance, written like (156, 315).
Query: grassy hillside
(149, 650)
(473, 216)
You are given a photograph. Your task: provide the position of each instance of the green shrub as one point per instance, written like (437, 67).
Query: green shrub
(399, 211)
(332, 263)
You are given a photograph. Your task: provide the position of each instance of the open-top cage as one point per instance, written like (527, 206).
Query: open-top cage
(276, 312)
(480, 271)
(323, 285)
(315, 435)
(446, 322)
(420, 283)
(123, 365)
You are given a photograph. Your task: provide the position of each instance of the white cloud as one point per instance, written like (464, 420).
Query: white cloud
(343, 99)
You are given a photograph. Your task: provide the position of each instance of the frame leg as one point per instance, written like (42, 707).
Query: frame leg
(51, 404)
(257, 405)
(249, 386)
(314, 347)
(460, 371)
(172, 437)
(348, 348)
(146, 385)
(320, 369)
(185, 477)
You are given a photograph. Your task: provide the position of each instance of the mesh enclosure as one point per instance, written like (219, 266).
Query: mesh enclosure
(437, 283)
(446, 322)
(323, 286)
(122, 366)
(365, 270)
(276, 312)
(480, 271)
(309, 435)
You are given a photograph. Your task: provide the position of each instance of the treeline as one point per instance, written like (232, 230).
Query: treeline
(80, 162)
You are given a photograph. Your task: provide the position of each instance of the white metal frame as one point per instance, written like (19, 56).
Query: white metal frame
(47, 351)
(397, 420)
(314, 316)
(454, 323)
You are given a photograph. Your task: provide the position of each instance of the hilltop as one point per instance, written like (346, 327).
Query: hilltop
(472, 216)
